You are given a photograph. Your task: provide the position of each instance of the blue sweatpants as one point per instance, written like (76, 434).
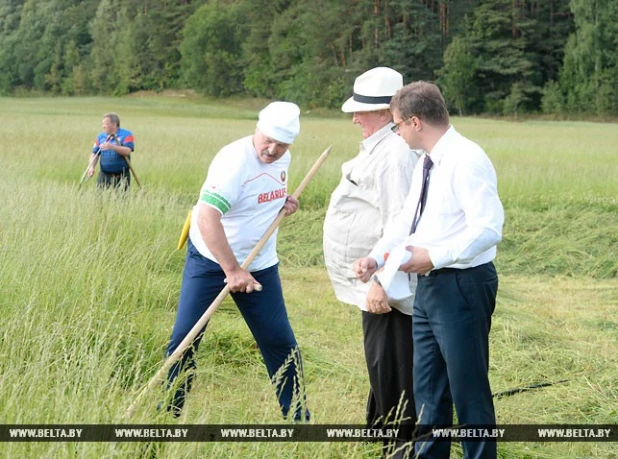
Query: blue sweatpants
(265, 314)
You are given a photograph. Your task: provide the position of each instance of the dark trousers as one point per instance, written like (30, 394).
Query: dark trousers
(265, 314)
(388, 353)
(452, 319)
(121, 180)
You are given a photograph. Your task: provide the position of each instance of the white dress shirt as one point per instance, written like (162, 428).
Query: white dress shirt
(463, 217)
(371, 194)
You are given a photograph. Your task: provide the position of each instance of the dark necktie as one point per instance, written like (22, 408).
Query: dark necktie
(420, 207)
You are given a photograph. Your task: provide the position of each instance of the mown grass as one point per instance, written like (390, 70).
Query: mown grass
(89, 282)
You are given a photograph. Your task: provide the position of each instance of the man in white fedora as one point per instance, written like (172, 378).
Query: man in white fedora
(371, 193)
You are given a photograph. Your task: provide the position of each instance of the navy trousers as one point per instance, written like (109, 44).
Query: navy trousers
(451, 323)
(265, 314)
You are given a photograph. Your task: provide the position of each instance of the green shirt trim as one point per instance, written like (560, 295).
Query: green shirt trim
(217, 201)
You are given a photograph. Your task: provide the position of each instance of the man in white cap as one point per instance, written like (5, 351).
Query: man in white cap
(371, 193)
(245, 189)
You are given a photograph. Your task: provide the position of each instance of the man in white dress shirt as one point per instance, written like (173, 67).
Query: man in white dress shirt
(451, 223)
(371, 193)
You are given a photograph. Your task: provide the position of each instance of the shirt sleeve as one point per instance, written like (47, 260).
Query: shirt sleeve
(129, 141)
(398, 229)
(223, 183)
(475, 186)
(393, 183)
(95, 147)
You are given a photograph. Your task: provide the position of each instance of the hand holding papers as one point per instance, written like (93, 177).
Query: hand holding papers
(396, 283)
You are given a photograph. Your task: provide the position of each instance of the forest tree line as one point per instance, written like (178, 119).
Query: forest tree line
(488, 56)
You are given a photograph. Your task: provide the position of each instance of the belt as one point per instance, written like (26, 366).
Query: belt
(437, 272)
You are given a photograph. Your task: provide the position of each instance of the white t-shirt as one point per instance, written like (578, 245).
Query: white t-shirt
(249, 194)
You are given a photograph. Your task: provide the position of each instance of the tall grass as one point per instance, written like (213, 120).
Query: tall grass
(89, 281)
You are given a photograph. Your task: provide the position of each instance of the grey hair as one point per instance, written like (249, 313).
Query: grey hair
(115, 119)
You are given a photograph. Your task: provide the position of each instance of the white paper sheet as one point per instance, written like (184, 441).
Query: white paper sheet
(396, 283)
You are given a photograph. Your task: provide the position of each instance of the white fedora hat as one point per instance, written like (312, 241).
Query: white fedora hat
(373, 90)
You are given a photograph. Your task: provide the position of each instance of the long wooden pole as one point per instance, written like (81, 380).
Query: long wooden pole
(129, 164)
(188, 340)
(132, 170)
(96, 155)
(88, 168)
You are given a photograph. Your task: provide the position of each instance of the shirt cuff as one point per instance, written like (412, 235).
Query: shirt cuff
(379, 258)
(440, 258)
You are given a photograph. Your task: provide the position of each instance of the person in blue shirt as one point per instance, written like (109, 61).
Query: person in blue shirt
(112, 148)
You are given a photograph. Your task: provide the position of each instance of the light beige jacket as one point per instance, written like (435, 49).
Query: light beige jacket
(371, 193)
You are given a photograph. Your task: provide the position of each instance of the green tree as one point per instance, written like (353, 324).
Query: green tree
(211, 49)
(155, 39)
(38, 44)
(406, 35)
(126, 70)
(317, 77)
(554, 24)
(514, 101)
(71, 63)
(10, 16)
(496, 34)
(552, 102)
(31, 53)
(457, 77)
(262, 17)
(497, 56)
(77, 44)
(109, 20)
(590, 72)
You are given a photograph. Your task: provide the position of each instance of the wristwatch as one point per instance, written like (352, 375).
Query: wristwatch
(376, 280)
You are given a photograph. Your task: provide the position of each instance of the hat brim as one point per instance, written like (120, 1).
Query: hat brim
(351, 106)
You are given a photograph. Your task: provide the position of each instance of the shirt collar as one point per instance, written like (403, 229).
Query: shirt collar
(442, 145)
(372, 141)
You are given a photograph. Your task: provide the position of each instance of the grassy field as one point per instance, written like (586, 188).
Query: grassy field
(89, 283)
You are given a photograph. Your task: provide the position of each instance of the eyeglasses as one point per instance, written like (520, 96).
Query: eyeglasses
(395, 128)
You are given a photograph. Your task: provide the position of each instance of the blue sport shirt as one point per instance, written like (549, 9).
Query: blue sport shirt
(111, 162)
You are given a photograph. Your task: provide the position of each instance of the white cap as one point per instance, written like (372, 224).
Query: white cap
(280, 121)
(373, 90)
